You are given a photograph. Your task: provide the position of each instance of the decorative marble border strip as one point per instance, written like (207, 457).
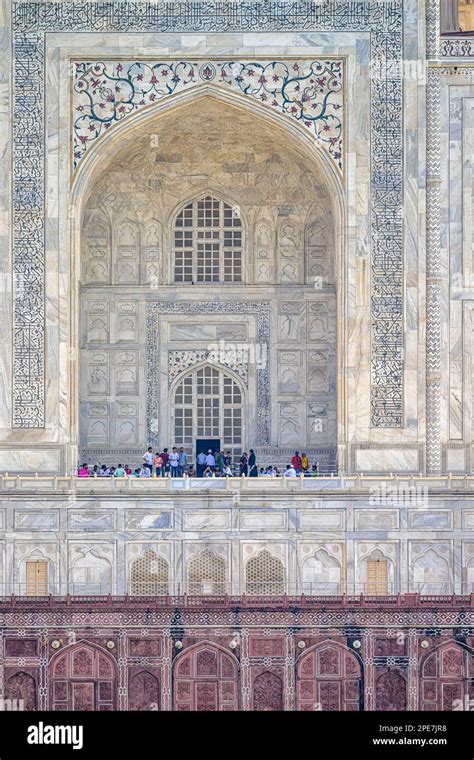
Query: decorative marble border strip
(30, 20)
(106, 91)
(153, 311)
(28, 231)
(457, 47)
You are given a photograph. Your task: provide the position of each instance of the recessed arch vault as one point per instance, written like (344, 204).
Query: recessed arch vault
(124, 138)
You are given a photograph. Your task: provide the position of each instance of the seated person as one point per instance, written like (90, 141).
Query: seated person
(290, 471)
(83, 471)
(145, 471)
(120, 472)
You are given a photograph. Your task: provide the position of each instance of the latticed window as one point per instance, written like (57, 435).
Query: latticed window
(208, 404)
(208, 242)
(149, 575)
(206, 574)
(264, 574)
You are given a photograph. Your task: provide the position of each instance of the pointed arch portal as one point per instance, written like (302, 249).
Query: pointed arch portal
(206, 678)
(130, 256)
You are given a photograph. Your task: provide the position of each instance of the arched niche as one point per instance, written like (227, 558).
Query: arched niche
(124, 183)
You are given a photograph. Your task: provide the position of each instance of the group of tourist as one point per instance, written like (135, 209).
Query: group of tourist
(209, 464)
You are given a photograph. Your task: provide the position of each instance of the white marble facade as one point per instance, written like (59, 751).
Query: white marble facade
(320, 392)
(323, 542)
(93, 372)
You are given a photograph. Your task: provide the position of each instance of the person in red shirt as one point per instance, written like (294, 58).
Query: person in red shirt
(296, 462)
(165, 460)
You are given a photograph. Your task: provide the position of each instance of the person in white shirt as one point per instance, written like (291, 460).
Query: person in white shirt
(148, 458)
(174, 462)
(290, 471)
(201, 463)
(145, 472)
(210, 460)
(227, 472)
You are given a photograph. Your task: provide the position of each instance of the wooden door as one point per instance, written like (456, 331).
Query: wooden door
(36, 578)
(377, 577)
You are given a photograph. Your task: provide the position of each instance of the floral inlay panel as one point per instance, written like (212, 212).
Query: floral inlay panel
(309, 91)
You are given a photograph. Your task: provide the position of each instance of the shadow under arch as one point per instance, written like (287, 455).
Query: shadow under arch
(117, 138)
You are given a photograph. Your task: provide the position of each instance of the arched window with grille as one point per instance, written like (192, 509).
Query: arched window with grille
(208, 242)
(207, 403)
(207, 574)
(149, 575)
(264, 574)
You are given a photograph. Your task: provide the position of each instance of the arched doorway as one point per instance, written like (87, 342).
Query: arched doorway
(205, 679)
(82, 677)
(328, 677)
(208, 403)
(291, 240)
(447, 678)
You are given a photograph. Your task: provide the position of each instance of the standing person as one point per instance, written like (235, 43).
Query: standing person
(296, 461)
(201, 463)
(158, 462)
(220, 461)
(182, 462)
(165, 459)
(304, 462)
(243, 465)
(253, 470)
(228, 459)
(210, 461)
(174, 462)
(148, 458)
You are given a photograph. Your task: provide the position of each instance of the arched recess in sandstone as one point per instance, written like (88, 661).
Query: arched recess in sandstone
(328, 677)
(83, 676)
(125, 138)
(206, 678)
(446, 678)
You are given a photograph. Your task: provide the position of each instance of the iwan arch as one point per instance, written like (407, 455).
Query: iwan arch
(124, 321)
(284, 198)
